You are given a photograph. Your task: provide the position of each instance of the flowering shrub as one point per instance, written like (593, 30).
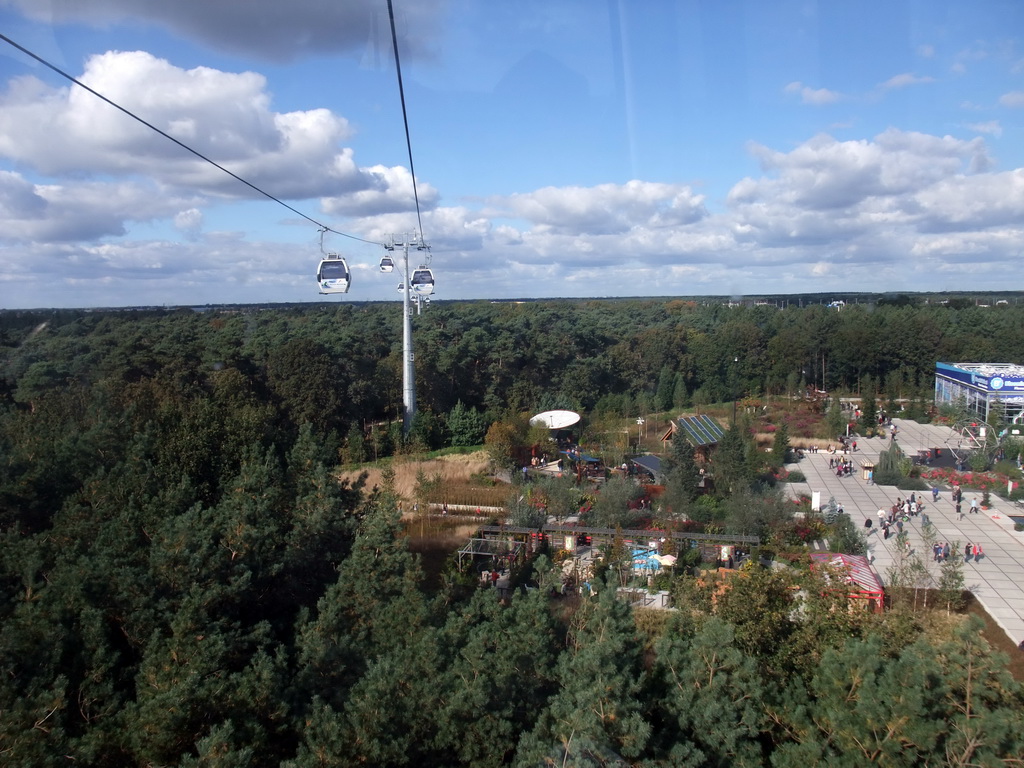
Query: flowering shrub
(981, 481)
(798, 532)
(804, 533)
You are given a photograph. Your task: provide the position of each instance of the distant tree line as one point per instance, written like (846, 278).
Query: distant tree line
(338, 367)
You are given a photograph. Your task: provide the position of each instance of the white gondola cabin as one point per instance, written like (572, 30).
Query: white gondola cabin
(422, 282)
(387, 264)
(333, 274)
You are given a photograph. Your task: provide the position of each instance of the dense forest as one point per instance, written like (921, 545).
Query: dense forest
(183, 580)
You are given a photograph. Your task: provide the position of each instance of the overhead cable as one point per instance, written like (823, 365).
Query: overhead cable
(405, 117)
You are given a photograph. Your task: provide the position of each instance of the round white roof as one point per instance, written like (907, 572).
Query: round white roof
(555, 419)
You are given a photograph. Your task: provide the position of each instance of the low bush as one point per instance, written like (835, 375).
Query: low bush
(883, 477)
(1007, 468)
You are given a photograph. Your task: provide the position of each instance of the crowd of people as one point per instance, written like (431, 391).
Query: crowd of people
(898, 514)
(841, 466)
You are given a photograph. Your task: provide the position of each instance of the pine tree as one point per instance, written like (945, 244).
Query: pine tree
(835, 421)
(390, 711)
(868, 407)
(780, 446)
(730, 462)
(864, 708)
(501, 675)
(597, 710)
(950, 703)
(712, 694)
(981, 703)
(374, 604)
(355, 445)
(680, 393)
(663, 394)
(951, 578)
(466, 426)
(682, 477)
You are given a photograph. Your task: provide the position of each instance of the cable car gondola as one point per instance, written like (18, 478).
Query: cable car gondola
(333, 274)
(387, 264)
(422, 282)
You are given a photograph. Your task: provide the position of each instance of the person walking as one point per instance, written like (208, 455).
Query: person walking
(968, 551)
(935, 493)
(959, 511)
(974, 505)
(978, 554)
(945, 552)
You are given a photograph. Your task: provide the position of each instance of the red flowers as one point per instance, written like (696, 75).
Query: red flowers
(978, 480)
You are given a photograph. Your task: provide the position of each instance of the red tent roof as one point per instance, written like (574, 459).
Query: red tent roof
(857, 568)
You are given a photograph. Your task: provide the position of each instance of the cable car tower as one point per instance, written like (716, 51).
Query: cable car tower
(415, 287)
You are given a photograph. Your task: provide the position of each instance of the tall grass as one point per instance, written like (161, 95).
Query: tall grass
(461, 479)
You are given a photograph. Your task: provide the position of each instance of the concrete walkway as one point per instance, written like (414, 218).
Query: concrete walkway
(997, 581)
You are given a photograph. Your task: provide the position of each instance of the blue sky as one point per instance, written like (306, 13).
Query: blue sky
(561, 147)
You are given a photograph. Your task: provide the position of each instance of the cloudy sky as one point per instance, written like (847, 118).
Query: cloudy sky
(561, 147)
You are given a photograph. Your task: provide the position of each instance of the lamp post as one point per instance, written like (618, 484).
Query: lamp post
(639, 423)
(735, 393)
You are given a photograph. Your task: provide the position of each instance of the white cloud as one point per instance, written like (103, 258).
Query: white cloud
(225, 116)
(972, 202)
(19, 199)
(391, 190)
(815, 96)
(455, 228)
(189, 222)
(903, 80)
(606, 208)
(926, 51)
(1012, 99)
(992, 128)
(78, 211)
(826, 174)
(978, 51)
(901, 206)
(874, 200)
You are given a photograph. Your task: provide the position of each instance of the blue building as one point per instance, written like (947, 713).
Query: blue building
(981, 386)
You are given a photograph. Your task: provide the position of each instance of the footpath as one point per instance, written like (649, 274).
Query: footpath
(997, 581)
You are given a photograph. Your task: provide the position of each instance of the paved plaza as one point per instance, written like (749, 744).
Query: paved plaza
(997, 581)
